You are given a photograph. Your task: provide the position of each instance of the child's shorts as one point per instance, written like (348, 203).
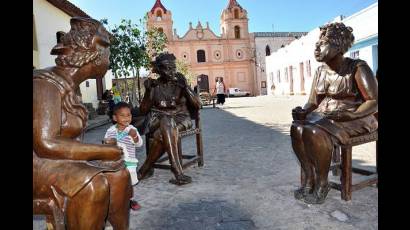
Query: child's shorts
(133, 173)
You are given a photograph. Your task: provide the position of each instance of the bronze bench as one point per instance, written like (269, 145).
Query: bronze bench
(342, 165)
(190, 159)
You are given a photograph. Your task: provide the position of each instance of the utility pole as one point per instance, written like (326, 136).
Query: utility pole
(273, 36)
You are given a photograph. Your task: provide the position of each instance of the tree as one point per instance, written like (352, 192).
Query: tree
(183, 68)
(131, 48)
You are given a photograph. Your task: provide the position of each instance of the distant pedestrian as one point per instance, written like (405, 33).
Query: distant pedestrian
(272, 88)
(105, 95)
(116, 93)
(220, 89)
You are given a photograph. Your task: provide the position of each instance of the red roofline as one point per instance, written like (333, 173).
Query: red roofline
(233, 3)
(68, 8)
(158, 4)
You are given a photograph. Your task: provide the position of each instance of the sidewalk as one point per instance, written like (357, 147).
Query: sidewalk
(100, 120)
(248, 178)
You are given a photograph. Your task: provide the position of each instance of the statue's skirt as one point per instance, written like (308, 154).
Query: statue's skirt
(67, 176)
(342, 131)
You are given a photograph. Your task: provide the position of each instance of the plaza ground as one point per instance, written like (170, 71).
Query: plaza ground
(248, 178)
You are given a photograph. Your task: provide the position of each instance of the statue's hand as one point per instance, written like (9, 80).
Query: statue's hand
(338, 115)
(113, 155)
(181, 81)
(110, 141)
(299, 114)
(150, 83)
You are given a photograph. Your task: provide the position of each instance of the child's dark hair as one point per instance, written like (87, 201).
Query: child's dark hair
(117, 107)
(121, 105)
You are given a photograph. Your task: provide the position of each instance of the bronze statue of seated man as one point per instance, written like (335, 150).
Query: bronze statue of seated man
(86, 182)
(168, 102)
(341, 105)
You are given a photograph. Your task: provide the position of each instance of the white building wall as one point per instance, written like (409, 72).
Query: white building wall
(48, 21)
(89, 94)
(364, 24)
(274, 44)
(107, 80)
(300, 50)
(365, 28)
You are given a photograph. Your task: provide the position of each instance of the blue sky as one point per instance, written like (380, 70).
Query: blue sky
(284, 15)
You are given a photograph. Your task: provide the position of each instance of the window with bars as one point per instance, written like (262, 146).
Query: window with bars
(354, 54)
(237, 32)
(201, 56)
(236, 14)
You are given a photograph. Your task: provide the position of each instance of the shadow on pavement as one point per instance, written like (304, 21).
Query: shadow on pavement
(247, 182)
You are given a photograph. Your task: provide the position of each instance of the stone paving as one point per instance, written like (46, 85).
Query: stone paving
(248, 179)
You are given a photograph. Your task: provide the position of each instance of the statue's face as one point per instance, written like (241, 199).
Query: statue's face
(102, 45)
(167, 68)
(325, 51)
(104, 60)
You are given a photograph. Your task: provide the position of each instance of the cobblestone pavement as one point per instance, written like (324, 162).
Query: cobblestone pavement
(248, 179)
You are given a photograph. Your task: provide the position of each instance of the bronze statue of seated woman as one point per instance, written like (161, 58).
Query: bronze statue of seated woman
(86, 182)
(168, 103)
(341, 105)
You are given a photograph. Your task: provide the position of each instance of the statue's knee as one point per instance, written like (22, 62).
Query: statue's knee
(296, 131)
(98, 188)
(165, 122)
(157, 135)
(123, 175)
(313, 133)
(309, 132)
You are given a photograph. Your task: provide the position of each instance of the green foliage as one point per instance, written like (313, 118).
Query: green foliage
(183, 68)
(132, 47)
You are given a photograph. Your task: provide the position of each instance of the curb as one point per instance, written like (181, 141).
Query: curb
(97, 124)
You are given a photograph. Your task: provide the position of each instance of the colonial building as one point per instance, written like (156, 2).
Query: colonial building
(290, 69)
(265, 44)
(49, 17)
(210, 56)
(231, 55)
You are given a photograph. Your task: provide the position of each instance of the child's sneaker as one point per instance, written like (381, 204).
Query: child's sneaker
(134, 205)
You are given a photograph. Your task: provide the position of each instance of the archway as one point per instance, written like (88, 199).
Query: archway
(203, 83)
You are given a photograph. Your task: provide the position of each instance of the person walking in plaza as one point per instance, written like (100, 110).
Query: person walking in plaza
(220, 89)
(116, 93)
(127, 137)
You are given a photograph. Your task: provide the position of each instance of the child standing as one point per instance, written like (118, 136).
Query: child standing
(127, 137)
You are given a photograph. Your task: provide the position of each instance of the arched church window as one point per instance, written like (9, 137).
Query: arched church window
(236, 13)
(267, 50)
(237, 32)
(200, 55)
(159, 15)
(160, 29)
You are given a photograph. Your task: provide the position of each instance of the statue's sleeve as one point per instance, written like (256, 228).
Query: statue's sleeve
(313, 100)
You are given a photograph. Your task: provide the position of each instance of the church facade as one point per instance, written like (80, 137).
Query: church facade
(230, 55)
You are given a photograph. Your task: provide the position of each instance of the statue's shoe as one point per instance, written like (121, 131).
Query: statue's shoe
(317, 197)
(149, 174)
(181, 180)
(301, 193)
